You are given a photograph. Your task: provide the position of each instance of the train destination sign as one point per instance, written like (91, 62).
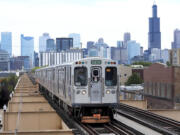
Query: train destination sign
(96, 62)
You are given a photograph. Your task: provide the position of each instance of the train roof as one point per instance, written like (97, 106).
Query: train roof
(70, 63)
(89, 58)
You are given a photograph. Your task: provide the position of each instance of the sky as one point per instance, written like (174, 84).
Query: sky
(93, 19)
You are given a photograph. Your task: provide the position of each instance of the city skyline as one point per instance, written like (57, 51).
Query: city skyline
(109, 19)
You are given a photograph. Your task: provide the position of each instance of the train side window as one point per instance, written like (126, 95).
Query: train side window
(80, 76)
(111, 76)
(59, 79)
(67, 75)
(70, 74)
(53, 74)
(65, 81)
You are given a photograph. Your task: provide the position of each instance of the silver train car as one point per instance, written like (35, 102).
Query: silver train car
(87, 89)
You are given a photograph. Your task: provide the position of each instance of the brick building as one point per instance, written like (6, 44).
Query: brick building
(124, 73)
(174, 56)
(162, 82)
(138, 69)
(19, 63)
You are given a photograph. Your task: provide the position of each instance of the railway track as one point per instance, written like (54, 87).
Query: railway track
(158, 123)
(153, 121)
(112, 128)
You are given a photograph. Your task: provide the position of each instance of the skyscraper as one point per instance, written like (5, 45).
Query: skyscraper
(6, 42)
(120, 44)
(43, 42)
(90, 44)
(76, 40)
(64, 44)
(165, 55)
(19, 63)
(27, 48)
(154, 35)
(133, 50)
(100, 41)
(141, 51)
(4, 60)
(103, 48)
(115, 53)
(127, 37)
(50, 46)
(176, 42)
(93, 51)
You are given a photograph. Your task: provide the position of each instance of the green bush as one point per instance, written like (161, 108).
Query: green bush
(134, 79)
(168, 64)
(6, 87)
(35, 68)
(146, 64)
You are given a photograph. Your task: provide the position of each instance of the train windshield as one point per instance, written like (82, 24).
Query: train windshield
(111, 76)
(80, 76)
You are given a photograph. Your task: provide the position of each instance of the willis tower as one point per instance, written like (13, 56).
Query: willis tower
(154, 34)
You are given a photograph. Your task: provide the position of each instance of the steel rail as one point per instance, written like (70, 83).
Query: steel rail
(150, 114)
(166, 125)
(115, 129)
(126, 128)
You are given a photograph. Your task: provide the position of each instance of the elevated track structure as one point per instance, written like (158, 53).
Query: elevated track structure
(125, 120)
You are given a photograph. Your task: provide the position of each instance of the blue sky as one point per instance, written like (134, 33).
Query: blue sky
(91, 18)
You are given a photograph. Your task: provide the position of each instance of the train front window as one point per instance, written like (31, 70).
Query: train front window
(111, 76)
(80, 76)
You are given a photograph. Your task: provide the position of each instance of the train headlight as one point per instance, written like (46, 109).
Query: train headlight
(78, 92)
(83, 92)
(107, 91)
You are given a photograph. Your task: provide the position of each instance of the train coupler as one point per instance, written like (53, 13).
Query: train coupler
(96, 118)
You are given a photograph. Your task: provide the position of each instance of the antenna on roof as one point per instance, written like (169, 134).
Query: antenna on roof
(154, 2)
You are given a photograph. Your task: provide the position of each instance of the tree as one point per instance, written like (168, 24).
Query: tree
(146, 64)
(168, 64)
(4, 96)
(6, 87)
(12, 80)
(35, 68)
(134, 79)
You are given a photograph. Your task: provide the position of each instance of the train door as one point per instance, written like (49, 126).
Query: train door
(95, 85)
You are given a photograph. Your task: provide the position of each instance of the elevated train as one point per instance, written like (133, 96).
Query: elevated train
(87, 89)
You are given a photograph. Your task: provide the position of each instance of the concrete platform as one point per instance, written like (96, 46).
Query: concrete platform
(30, 106)
(26, 94)
(40, 132)
(45, 120)
(29, 113)
(141, 104)
(26, 91)
(173, 114)
(28, 99)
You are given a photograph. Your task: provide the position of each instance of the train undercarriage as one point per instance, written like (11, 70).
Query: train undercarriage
(96, 114)
(83, 113)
